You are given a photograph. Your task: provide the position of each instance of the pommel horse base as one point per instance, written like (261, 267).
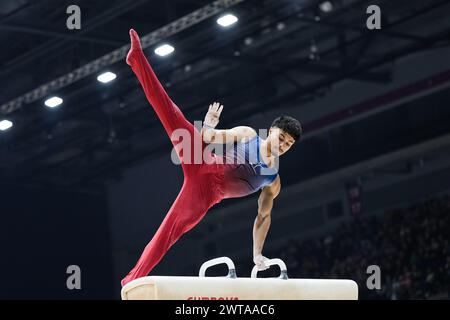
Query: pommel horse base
(231, 287)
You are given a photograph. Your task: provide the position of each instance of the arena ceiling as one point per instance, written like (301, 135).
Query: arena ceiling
(281, 52)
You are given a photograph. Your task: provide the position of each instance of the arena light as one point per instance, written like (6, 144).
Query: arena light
(227, 20)
(106, 77)
(326, 6)
(164, 50)
(5, 125)
(53, 102)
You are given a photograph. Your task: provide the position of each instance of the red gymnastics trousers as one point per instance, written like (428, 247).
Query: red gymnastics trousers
(202, 182)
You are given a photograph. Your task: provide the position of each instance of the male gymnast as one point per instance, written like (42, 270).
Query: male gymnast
(250, 167)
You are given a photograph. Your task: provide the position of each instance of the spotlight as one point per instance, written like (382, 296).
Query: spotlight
(326, 6)
(280, 26)
(227, 20)
(164, 50)
(5, 125)
(53, 102)
(248, 41)
(313, 50)
(106, 77)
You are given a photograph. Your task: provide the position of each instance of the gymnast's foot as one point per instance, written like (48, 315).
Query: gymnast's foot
(125, 280)
(135, 46)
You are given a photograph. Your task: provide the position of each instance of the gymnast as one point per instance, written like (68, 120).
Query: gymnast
(251, 166)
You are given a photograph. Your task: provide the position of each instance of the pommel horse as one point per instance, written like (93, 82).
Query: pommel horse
(230, 287)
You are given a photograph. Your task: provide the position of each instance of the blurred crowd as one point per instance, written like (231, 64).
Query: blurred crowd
(410, 246)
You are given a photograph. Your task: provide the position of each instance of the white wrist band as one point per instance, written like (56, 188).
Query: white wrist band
(205, 125)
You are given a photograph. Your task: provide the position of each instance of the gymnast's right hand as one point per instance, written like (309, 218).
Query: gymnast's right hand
(261, 262)
(213, 115)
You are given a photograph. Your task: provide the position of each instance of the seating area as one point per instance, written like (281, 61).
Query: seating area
(410, 245)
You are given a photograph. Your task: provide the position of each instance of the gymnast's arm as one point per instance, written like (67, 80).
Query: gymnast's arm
(223, 136)
(212, 135)
(262, 221)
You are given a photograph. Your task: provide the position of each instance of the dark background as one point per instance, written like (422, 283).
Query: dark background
(89, 182)
(49, 230)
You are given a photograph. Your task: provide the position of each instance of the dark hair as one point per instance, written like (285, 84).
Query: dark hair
(290, 125)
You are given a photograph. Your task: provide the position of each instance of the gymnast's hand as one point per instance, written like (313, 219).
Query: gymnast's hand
(261, 262)
(213, 115)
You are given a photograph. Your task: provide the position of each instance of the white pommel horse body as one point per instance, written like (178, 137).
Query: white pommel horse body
(231, 287)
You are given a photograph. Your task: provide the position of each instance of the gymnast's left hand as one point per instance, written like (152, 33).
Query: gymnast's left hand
(261, 262)
(213, 115)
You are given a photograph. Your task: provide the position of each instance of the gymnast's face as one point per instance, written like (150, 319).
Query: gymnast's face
(279, 141)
